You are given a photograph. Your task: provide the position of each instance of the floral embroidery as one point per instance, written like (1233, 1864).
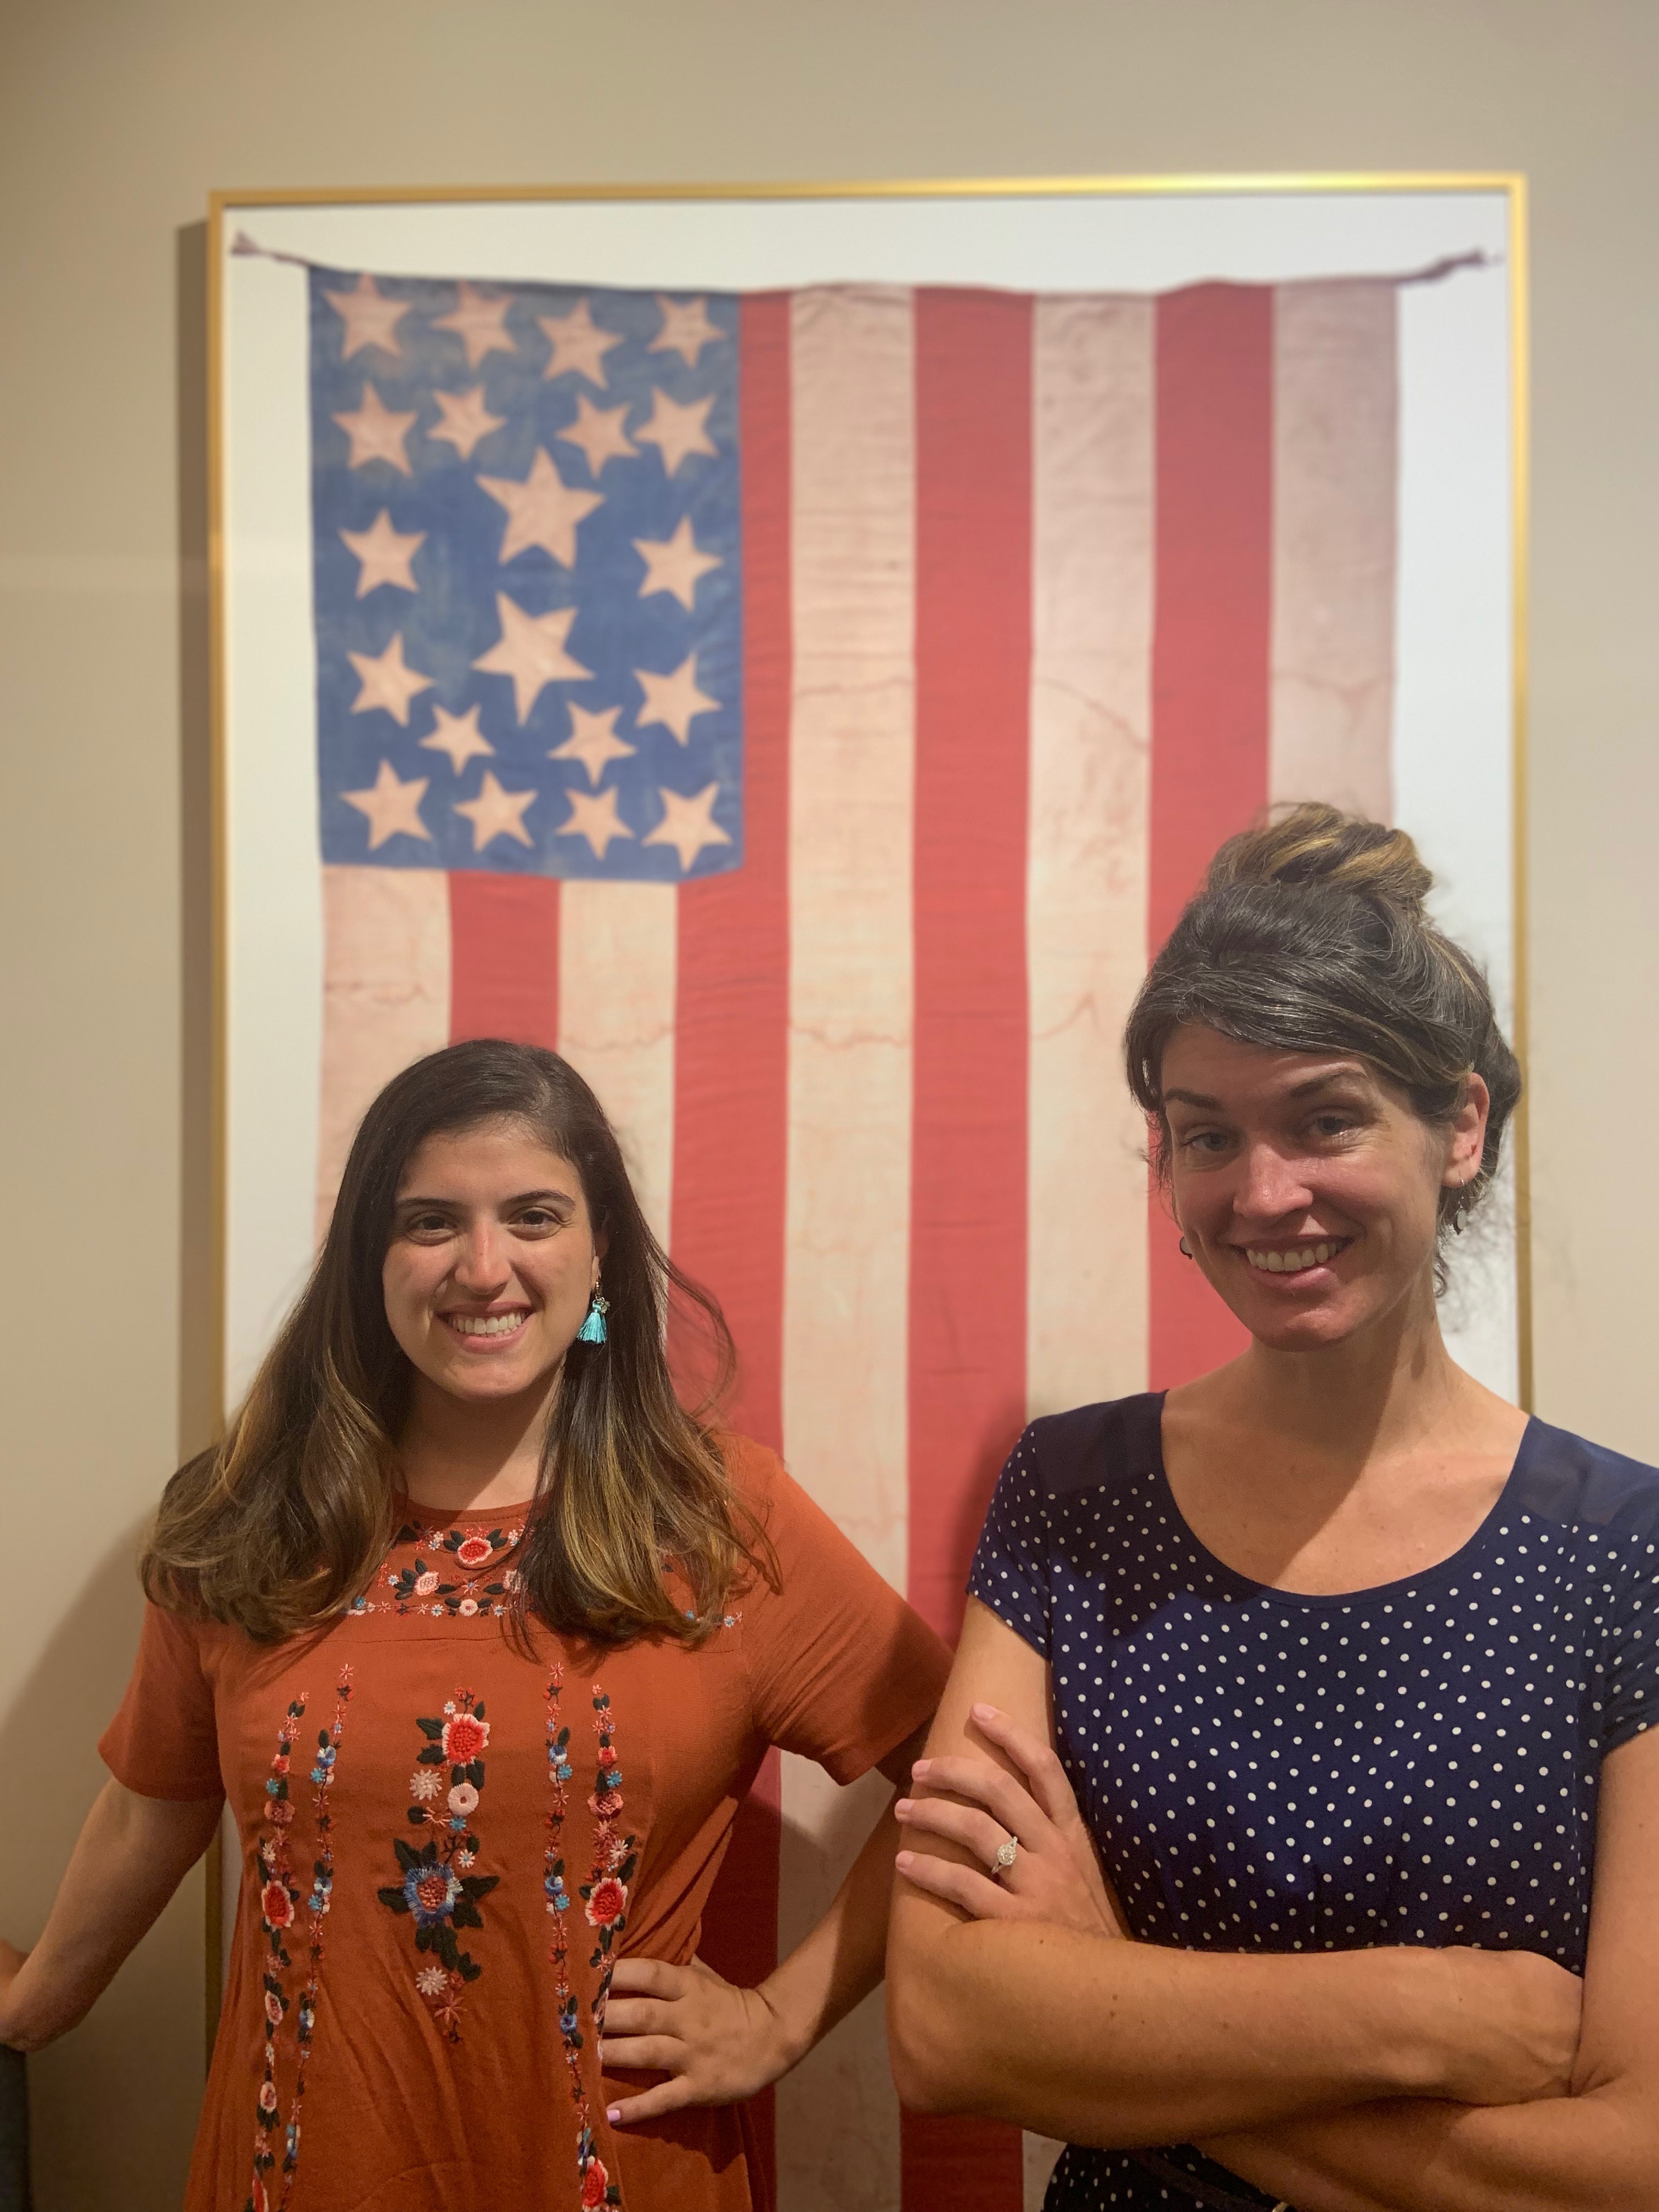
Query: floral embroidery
(279, 1908)
(438, 1890)
(613, 1868)
(421, 1586)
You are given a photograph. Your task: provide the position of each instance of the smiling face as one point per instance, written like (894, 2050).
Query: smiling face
(1306, 1186)
(492, 1261)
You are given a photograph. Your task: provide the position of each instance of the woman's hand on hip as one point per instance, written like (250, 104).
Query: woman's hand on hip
(1051, 1875)
(717, 2044)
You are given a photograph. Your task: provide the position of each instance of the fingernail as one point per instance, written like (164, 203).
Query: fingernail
(613, 2114)
(921, 1766)
(985, 1713)
(901, 1807)
(904, 1858)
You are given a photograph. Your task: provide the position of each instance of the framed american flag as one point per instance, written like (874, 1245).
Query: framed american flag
(792, 650)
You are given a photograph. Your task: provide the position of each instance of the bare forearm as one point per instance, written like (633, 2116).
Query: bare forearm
(841, 1960)
(131, 1855)
(1598, 2153)
(1120, 2044)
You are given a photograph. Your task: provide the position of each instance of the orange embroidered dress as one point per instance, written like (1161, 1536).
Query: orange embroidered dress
(446, 1843)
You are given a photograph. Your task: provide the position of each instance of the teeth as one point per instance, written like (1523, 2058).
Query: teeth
(484, 1324)
(1291, 1263)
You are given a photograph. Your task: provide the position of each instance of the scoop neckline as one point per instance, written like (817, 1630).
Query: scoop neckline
(1370, 1593)
(498, 1517)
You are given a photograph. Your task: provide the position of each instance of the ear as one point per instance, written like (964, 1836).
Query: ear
(1468, 1135)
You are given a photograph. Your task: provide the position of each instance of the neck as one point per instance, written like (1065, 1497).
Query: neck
(457, 1455)
(1377, 1393)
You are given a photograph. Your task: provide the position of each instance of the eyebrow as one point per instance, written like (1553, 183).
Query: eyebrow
(1206, 1104)
(524, 1198)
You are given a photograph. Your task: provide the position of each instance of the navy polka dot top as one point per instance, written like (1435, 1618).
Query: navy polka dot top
(1267, 1771)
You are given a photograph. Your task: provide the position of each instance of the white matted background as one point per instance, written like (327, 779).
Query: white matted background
(1453, 748)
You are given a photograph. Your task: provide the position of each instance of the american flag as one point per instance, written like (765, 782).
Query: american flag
(805, 711)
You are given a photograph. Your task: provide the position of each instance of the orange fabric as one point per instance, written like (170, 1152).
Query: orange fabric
(439, 2079)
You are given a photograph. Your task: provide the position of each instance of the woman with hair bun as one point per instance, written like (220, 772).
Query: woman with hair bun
(1290, 1829)
(483, 1636)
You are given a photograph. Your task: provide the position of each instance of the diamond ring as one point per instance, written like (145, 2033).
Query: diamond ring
(1007, 1851)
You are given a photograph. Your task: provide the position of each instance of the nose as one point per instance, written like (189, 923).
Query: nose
(482, 1270)
(1270, 1185)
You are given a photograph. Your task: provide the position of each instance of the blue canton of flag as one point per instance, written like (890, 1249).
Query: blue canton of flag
(528, 568)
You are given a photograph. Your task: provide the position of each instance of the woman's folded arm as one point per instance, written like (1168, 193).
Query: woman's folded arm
(1101, 2040)
(1595, 2150)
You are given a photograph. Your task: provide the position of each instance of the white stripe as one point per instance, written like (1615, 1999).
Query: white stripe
(385, 997)
(1086, 883)
(837, 2117)
(618, 969)
(1335, 477)
(1041, 2154)
(847, 1253)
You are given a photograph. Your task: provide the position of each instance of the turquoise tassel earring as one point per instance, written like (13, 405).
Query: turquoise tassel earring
(592, 1329)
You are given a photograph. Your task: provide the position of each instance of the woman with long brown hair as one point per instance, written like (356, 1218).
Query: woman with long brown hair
(484, 1636)
(1289, 1832)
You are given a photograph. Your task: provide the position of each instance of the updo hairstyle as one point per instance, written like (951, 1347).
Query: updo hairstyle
(1310, 934)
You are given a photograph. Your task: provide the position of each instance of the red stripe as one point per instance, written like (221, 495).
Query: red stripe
(504, 957)
(967, 1354)
(731, 1078)
(1210, 676)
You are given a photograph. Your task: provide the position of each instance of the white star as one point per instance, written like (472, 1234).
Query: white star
(459, 737)
(393, 806)
(386, 682)
(376, 433)
(686, 328)
(593, 816)
(531, 650)
(599, 431)
(677, 431)
(478, 319)
(686, 823)
(543, 510)
(674, 699)
(496, 813)
(466, 419)
(384, 553)
(674, 564)
(369, 318)
(578, 345)
(592, 741)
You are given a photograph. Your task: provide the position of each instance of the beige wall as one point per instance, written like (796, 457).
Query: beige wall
(116, 119)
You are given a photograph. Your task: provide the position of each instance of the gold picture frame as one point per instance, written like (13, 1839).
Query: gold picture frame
(227, 209)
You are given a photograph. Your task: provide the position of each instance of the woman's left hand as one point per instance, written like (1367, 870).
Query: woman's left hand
(1053, 1876)
(718, 2044)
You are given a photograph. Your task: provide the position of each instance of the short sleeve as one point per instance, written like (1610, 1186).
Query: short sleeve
(164, 1741)
(1630, 1699)
(1010, 1571)
(841, 1668)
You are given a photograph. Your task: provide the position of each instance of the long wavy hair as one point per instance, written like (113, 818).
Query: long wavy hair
(277, 1528)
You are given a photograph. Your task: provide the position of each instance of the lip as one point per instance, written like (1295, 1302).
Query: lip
(1298, 1279)
(479, 1346)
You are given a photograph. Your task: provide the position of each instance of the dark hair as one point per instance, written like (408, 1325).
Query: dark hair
(281, 1525)
(1310, 934)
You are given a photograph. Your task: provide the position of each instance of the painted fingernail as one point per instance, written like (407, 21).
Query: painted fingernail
(614, 2114)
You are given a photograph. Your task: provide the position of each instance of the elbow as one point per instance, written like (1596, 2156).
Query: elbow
(930, 2064)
